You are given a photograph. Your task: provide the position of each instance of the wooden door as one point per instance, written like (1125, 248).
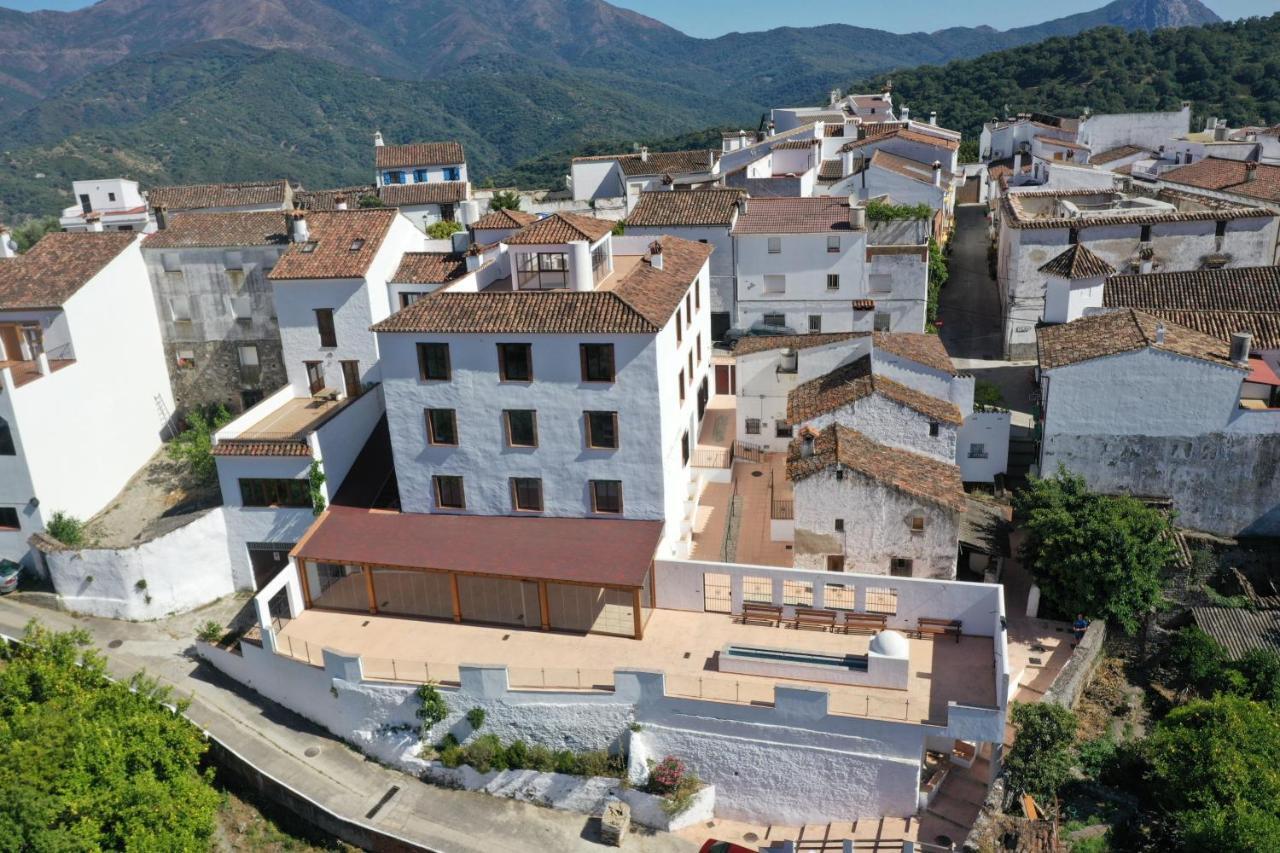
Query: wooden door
(11, 340)
(351, 378)
(725, 379)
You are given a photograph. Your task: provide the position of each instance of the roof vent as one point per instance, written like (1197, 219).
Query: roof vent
(655, 254)
(789, 362)
(807, 442)
(1250, 171)
(8, 248)
(1160, 333)
(162, 217)
(377, 139)
(1241, 344)
(339, 202)
(299, 232)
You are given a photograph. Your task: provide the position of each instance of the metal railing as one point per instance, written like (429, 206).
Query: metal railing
(782, 510)
(712, 457)
(749, 452)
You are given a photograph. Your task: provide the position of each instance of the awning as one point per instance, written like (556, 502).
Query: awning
(607, 552)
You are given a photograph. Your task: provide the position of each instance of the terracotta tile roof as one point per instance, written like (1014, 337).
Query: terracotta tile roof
(53, 270)
(906, 167)
(251, 447)
(191, 230)
(430, 268)
(864, 305)
(797, 144)
(561, 228)
(1216, 302)
(418, 154)
(764, 343)
(605, 551)
(830, 170)
(343, 243)
(1062, 143)
(1015, 216)
(904, 134)
(641, 303)
(1078, 262)
(815, 215)
(854, 381)
(504, 220)
(910, 473)
(915, 346)
(1215, 173)
(1113, 154)
(200, 196)
(327, 199)
(880, 128)
(681, 207)
(921, 251)
(660, 162)
(1121, 331)
(437, 192)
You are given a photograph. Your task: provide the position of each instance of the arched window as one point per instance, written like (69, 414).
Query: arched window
(6, 440)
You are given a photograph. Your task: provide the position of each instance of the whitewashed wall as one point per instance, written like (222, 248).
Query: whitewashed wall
(805, 263)
(889, 422)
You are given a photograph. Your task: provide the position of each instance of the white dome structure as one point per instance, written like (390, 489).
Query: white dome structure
(891, 644)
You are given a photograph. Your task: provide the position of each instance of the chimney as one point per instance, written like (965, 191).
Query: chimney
(474, 257)
(711, 160)
(299, 232)
(832, 97)
(742, 204)
(1250, 171)
(1017, 163)
(857, 217)
(655, 254)
(1160, 333)
(339, 202)
(1221, 132)
(377, 139)
(933, 117)
(162, 217)
(1241, 344)
(1145, 266)
(95, 221)
(8, 248)
(905, 113)
(789, 361)
(644, 154)
(937, 173)
(807, 441)
(1210, 123)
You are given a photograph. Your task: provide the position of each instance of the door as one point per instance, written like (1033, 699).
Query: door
(315, 376)
(85, 206)
(11, 340)
(725, 379)
(351, 378)
(703, 397)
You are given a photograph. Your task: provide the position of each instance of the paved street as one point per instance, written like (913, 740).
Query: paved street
(969, 306)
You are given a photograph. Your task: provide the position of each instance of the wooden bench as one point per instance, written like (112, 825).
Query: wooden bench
(823, 620)
(768, 613)
(871, 622)
(935, 627)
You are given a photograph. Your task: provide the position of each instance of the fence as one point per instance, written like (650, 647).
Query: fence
(712, 457)
(749, 452)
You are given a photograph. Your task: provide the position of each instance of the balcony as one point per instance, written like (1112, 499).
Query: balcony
(283, 420)
(24, 372)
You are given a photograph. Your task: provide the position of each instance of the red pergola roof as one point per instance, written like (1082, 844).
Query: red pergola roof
(609, 552)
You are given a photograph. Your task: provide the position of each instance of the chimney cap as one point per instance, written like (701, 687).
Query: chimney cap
(655, 248)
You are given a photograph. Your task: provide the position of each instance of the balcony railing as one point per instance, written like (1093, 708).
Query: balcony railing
(782, 510)
(749, 452)
(712, 457)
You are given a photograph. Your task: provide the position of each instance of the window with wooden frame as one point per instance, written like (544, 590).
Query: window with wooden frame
(690, 365)
(260, 492)
(408, 297)
(602, 430)
(698, 347)
(606, 496)
(449, 492)
(433, 362)
(597, 362)
(442, 427)
(9, 518)
(324, 325)
(526, 494)
(697, 294)
(684, 448)
(680, 383)
(679, 328)
(515, 362)
(688, 308)
(522, 427)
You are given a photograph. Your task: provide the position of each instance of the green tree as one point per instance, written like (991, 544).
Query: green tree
(1100, 555)
(987, 394)
(1041, 758)
(505, 200)
(443, 229)
(194, 445)
(67, 529)
(91, 764)
(1195, 661)
(29, 233)
(1214, 776)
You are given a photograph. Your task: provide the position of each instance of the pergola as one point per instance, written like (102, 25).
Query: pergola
(558, 574)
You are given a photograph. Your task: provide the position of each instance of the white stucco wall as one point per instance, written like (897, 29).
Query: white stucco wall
(805, 263)
(889, 422)
(342, 437)
(991, 430)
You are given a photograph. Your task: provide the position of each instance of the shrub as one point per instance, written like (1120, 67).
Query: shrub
(1097, 756)
(666, 775)
(485, 753)
(315, 485)
(443, 229)
(505, 200)
(883, 211)
(681, 797)
(369, 200)
(67, 529)
(475, 718)
(433, 708)
(141, 585)
(619, 228)
(1260, 669)
(566, 762)
(987, 394)
(541, 759)
(599, 763)
(452, 756)
(518, 755)
(1041, 759)
(194, 445)
(1195, 661)
(210, 632)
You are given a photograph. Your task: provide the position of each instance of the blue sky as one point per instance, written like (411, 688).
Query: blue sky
(715, 17)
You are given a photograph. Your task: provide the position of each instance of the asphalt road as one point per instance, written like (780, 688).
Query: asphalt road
(969, 306)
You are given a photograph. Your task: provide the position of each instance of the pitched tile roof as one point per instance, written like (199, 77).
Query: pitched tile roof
(561, 228)
(814, 215)
(880, 128)
(1016, 215)
(1078, 262)
(343, 243)
(328, 199)
(1062, 143)
(1124, 330)
(200, 196)
(1117, 153)
(53, 270)
(660, 162)
(1231, 176)
(854, 381)
(418, 154)
(923, 349)
(764, 343)
(1216, 302)
(906, 135)
(685, 207)
(504, 220)
(250, 447)
(797, 144)
(435, 192)
(430, 267)
(640, 303)
(830, 170)
(192, 230)
(906, 167)
(910, 473)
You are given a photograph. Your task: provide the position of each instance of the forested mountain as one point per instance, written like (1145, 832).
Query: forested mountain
(1227, 70)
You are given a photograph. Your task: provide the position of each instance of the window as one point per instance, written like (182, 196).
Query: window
(421, 176)
(449, 493)
(9, 518)
(684, 448)
(315, 375)
(688, 307)
(1220, 228)
(601, 263)
(1146, 234)
(111, 196)
(839, 525)
(452, 173)
(606, 496)
(977, 450)
(833, 281)
(815, 322)
(835, 563)
(515, 362)
(351, 383)
(356, 245)
(757, 590)
(775, 284)
(797, 592)
(442, 427)
(679, 328)
(395, 177)
(185, 358)
(526, 494)
(879, 283)
(250, 397)
(234, 262)
(775, 245)
(916, 522)
(698, 347)
(324, 325)
(597, 362)
(602, 430)
(250, 369)
(833, 244)
(720, 323)
(753, 426)
(261, 492)
(690, 365)
(697, 294)
(680, 383)
(1073, 236)
(837, 596)
(433, 362)
(933, 429)
(899, 567)
(775, 320)
(882, 599)
(6, 440)
(881, 323)
(782, 429)
(180, 308)
(541, 270)
(408, 297)
(522, 427)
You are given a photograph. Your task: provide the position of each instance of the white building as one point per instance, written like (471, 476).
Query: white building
(900, 180)
(117, 203)
(1051, 137)
(872, 107)
(1164, 231)
(497, 225)
(627, 175)
(418, 163)
(84, 395)
(1147, 407)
